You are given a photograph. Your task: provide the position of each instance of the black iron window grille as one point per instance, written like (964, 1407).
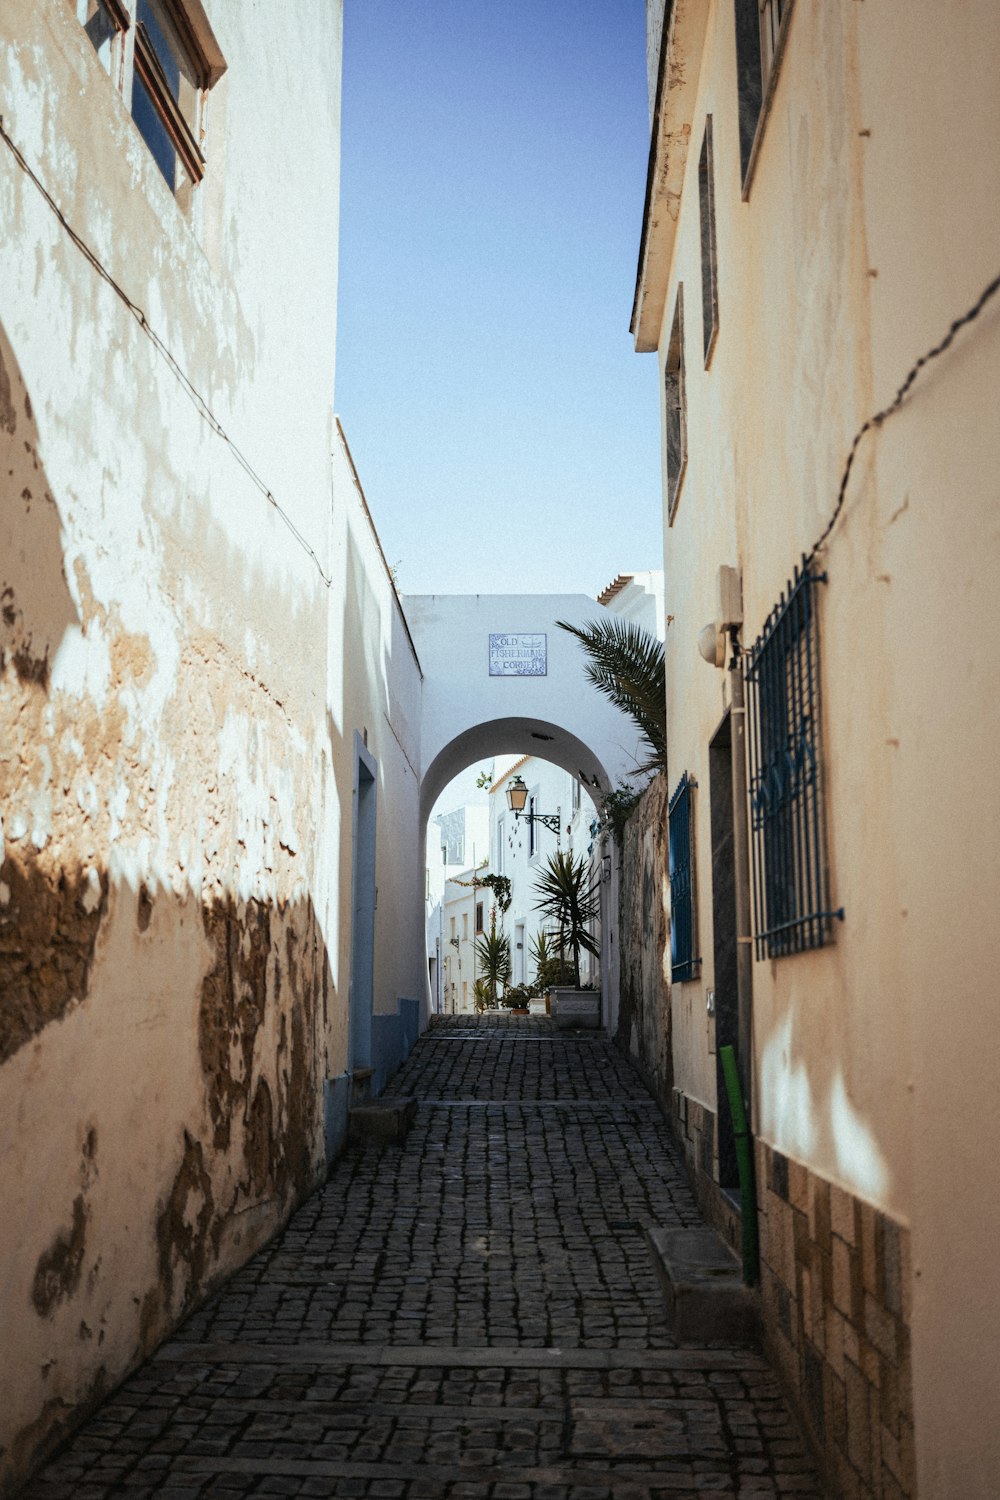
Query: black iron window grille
(791, 880)
(684, 962)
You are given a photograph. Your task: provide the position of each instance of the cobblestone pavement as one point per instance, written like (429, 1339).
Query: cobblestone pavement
(473, 1316)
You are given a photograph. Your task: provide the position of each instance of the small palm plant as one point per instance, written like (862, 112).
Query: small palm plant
(548, 954)
(569, 896)
(493, 952)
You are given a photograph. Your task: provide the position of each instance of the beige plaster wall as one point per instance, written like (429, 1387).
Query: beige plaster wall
(871, 223)
(172, 783)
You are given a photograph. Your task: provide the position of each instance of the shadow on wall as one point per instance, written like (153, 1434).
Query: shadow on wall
(234, 1160)
(35, 602)
(161, 1063)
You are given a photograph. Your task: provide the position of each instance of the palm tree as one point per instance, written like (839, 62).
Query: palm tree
(625, 663)
(493, 952)
(570, 897)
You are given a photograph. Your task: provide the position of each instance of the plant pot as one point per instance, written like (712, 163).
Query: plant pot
(576, 1008)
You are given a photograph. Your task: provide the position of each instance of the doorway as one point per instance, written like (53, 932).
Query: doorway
(363, 897)
(724, 945)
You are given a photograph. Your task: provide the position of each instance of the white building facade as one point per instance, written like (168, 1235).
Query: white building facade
(520, 848)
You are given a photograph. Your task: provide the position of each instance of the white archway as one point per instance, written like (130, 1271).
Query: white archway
(469, 715)
(512, 737)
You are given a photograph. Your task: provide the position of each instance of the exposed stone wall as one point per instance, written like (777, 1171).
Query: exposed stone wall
(835, 1292)
(644, 937)
(835, 1307)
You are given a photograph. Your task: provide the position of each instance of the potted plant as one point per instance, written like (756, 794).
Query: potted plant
(517, 999)
(569, 897)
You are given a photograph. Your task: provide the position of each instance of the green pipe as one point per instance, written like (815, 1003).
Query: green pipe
(744, 1163)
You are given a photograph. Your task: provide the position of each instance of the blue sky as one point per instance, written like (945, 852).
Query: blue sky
(493, 171)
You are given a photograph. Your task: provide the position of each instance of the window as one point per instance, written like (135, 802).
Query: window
(791, 883)
(465, 927)
(166, 93)
(499, 859)
(532, 828)
(479, 916)
(105, 23)
(451, 935)
(676, 412)
(761, 27)
(684, 964)
(172, 63)
(709, 269)
(576, 796)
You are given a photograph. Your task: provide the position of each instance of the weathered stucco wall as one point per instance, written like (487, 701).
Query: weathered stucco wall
(644, 1016)
(869, 225)
(172, 772)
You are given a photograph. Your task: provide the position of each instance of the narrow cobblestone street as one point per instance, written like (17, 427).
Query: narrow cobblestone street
(472, 1316)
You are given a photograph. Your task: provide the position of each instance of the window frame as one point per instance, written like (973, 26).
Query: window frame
(121, 21)
(709, 248)
(793, 911)
(134, 59)
(147, 66)
(674, 387)
(760, 47)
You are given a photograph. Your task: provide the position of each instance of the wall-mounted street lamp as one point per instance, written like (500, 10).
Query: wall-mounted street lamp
(517, 796)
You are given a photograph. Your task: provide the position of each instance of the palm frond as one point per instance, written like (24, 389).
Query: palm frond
(626, 664)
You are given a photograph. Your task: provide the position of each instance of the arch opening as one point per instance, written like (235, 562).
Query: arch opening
(456, 911)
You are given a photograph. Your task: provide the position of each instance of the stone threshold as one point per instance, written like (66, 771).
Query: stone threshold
(713, 1472)
(534, 1103)
(576, 1406)
(450, 1357)
(562, 1040)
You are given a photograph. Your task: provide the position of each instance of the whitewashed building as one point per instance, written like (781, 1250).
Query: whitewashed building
(209, 699)
(521, 846)
(454, 838)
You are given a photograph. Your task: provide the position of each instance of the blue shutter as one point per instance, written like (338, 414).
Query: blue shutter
(684, 962)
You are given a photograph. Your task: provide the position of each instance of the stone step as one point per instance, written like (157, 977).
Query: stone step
(702, 1284)
(384, 1122)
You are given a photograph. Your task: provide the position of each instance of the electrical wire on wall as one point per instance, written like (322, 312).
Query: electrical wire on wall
(186, 384)
(904, 390)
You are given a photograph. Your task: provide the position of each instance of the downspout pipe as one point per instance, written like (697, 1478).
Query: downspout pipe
(744, 1162)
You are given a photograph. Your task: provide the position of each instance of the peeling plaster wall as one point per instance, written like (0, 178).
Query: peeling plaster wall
(870, 224)
(172, 792)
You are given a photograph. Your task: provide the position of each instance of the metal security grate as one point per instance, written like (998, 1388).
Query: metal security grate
(791, 883)
(684, 963)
